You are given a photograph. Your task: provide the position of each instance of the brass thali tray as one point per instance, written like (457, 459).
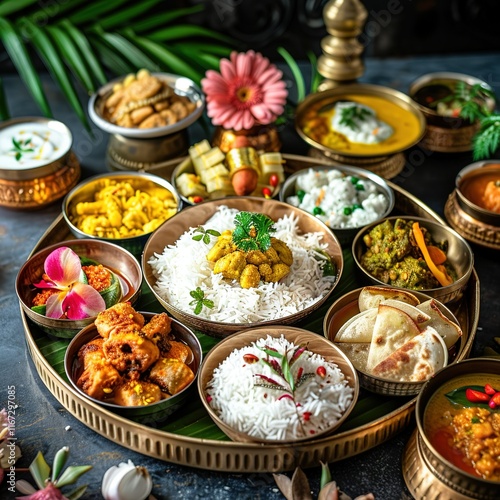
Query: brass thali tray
(190, 437)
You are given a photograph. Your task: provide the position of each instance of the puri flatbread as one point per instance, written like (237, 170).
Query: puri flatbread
(415, 313)
(393, 328)
(448, 329)
(356, 352)
(415, 361)
(371, 296)
(359, 328)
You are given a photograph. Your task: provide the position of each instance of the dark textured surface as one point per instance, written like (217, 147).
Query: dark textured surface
(41, 422)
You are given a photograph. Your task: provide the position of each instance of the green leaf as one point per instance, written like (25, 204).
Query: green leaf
(315, 75)
(182, 31)
(458, 397)
(40, 470)
(326, 476)
(487, 140)
(129, 51)
(163, 18)
(77, 493)
(94, 10)
(4, 109)
(71, 57)
(113, 293)
(59, 462)
(85, 50)
(11, 6)
(297, 74)
(22, 62)
(71, 474)
(111, 58)
(54, 64)
(124, 16)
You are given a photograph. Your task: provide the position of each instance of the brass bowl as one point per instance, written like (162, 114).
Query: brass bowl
(181, 85)
(84, 192)
(315, 103)
(470, 184)
(345, 308)
(27, 182)
(459, 255)
(345, 235)
(197, 215)
(150, 414)
(297, 336)
(442, 473)
(114, 257)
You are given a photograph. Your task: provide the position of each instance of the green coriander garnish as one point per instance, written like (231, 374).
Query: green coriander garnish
(205, 234)
(252, 231)
(350, 115)
(199, 300)
(21, 147)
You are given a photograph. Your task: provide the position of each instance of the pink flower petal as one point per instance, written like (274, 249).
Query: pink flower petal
(82, 302)
(63, 266)
(244, 64)
(262, 114)
(54, 305)
(227, 70)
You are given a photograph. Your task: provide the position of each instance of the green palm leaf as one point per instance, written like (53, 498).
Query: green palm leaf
(110, 58)
(19, 56)
(94, 10)
(4, 110)
(54, 64)
(8, 7)
(185, 31)
(122, 18)
(163, 18)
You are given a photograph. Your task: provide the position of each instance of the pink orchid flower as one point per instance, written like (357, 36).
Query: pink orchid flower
(75, 300)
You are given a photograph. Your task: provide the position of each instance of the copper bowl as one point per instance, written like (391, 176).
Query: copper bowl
(441, 469)
(149, 414)
(315, 343)
(84, 192)
(470, 185)
(459, 255)
(345, 235)
(112, 256)
(192, 217)
(345, 308)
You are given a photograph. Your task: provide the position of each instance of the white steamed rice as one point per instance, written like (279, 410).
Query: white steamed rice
(336, 192)
(247, 403)
(183, 267)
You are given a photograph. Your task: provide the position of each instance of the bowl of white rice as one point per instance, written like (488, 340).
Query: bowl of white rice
(175, 264)
(277, 384)
(345, 198)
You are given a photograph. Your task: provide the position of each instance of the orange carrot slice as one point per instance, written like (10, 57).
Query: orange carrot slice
(442, 277)
(437, 255)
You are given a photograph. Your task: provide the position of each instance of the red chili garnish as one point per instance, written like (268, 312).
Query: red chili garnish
(307, 415)
(283, 396)
(495, 400)
(209, 398)
(488, 389)
(321, 371)
(197, 199)
(266, 192)
(476, 396)
(250, 358)
(274, 180)
(300, 371)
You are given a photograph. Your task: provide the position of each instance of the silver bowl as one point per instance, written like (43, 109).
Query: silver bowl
(196, 215)
(345, 235)
(459, 255)
(112, 256)
(150, 414)
(84, 192)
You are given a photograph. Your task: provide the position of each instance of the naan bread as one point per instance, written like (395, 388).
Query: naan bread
(449, 330)
(359, 328)
(393, 328)
(415, 361)
(372, 296)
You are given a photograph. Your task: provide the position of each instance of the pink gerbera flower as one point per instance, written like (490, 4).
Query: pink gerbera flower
(247, 91)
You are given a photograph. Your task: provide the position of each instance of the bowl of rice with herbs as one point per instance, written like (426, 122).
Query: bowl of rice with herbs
(277, 384)
(344, 198)
(226, 265)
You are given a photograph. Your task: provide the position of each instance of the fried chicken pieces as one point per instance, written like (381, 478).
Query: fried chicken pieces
(133, 363)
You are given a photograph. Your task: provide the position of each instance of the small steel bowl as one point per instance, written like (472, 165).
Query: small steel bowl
(442, 470)
(33, 182)
(345, 235)
(181, 85)
(438, 85)
(150, 414)
(459, 256)
(114, 257)
(315, 343)
(85, 191)
(197, 215)
(470, 184)
(345, 308)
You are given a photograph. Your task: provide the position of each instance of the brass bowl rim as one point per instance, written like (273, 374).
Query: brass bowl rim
(427, 78)
(119, 175)
(395, 96)
(245, 338)
(195, 95)
(475, 170)
(453, 370)
(48, 168)
(460, 282)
